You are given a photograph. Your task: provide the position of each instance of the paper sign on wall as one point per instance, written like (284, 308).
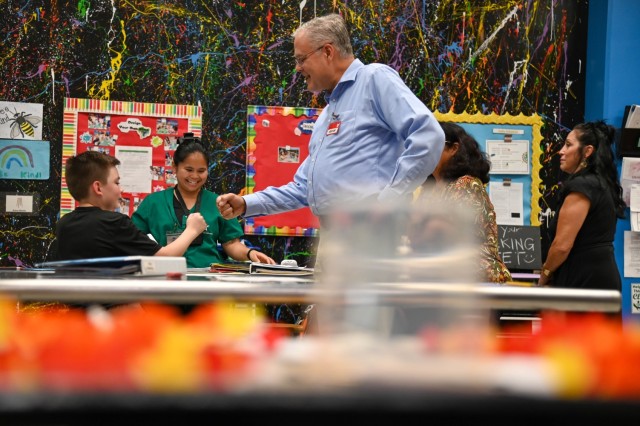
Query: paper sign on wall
(20, 120)
(24, 159)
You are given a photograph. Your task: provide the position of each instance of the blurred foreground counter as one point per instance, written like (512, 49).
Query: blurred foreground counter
(312, 381)
(146, 361)
(315, 379)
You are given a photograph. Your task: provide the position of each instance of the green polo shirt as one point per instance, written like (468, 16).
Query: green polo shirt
(156, 216)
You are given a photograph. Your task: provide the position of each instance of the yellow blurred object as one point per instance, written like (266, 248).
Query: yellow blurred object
(7, 311)
(173, 364)
(238, 321)
(521, 283)
(572, 370)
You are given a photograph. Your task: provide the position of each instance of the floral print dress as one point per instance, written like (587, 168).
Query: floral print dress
(469, 191)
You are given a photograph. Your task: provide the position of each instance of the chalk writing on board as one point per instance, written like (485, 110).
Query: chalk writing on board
(519, 246)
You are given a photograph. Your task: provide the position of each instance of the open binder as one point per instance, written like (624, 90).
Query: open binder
(119, 265)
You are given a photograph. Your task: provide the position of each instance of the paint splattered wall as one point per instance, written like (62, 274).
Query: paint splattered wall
(475, 56)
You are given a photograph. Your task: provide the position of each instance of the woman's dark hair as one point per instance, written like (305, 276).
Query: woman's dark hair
(601, 136)
(469, 159)
(187, 145)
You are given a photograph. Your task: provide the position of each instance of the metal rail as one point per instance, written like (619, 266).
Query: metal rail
(197, 289)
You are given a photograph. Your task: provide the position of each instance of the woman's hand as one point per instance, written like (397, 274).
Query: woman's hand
(196, 223)
(257, 256)
(543, 281)
(236, 250)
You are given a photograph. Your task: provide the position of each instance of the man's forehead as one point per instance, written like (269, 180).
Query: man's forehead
(300, 38)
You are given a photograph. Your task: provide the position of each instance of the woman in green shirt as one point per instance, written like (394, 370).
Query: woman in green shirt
(163, 214)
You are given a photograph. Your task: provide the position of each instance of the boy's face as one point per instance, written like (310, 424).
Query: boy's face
(111, 191)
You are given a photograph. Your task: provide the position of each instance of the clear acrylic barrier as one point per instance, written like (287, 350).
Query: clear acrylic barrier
(374, 245)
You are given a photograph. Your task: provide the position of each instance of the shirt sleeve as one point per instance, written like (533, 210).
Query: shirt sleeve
(271, 200)
(229, 229)
(130, 240)
(585, 185)
(414, 125)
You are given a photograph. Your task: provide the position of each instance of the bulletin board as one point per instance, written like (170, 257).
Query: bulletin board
(143, 136)
(277, 143)
(496, 134)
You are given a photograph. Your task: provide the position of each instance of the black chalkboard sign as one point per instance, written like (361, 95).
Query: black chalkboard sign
(519, 246)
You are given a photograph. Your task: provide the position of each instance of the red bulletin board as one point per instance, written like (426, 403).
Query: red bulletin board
(277, 143)
(143, 136)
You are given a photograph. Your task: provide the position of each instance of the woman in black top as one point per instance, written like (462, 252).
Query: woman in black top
(581, 252)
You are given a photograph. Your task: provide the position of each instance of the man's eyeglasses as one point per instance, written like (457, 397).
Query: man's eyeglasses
(300, 59)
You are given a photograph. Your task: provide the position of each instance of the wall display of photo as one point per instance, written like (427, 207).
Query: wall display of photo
(143, 136)
(277, 143)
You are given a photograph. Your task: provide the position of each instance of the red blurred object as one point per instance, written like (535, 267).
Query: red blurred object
(611, 350)
(76, 349)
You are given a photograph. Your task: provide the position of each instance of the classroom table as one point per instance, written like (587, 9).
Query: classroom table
(201, 287)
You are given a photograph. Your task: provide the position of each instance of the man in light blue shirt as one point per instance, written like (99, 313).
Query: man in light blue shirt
(374, 140)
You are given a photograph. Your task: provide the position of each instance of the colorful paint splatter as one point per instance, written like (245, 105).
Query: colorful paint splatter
(500, 56)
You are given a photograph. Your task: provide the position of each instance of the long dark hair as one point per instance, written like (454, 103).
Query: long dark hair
(469, 159)
(601, 136)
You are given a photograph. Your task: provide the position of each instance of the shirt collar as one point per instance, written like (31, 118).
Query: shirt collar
(349, 75)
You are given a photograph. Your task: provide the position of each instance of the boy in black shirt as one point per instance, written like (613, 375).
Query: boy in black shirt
(95, 229)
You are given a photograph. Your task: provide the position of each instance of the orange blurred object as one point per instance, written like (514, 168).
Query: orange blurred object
(147, 346)
(593, 354)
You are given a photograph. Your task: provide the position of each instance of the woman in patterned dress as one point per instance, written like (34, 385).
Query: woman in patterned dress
(460, 178)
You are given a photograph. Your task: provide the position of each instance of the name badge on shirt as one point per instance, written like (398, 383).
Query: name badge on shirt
(333, 128)
(172, 236)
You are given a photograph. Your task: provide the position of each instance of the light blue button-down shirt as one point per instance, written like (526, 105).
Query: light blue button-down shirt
(386, 145)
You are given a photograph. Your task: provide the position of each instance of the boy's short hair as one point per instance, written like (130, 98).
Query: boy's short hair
(84, 169)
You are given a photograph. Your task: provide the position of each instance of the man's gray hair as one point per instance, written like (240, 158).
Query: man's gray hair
(327, 29)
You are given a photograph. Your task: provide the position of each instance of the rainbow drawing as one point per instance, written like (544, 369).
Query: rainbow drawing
(24, 159)
(15, 156)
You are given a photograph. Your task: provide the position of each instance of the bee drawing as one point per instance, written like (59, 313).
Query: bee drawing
(23, 124)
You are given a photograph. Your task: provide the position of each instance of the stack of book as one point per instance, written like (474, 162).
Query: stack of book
(259, 268)
(230, 268)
